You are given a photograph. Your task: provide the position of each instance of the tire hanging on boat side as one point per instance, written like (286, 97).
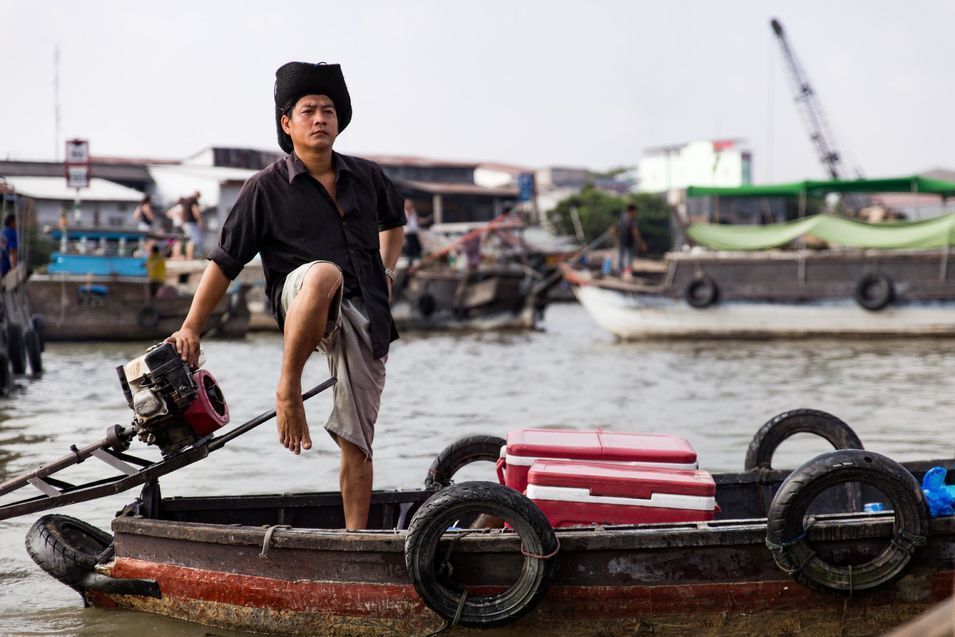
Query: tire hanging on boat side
(459, 454)
(874, 291)
(786, 528)
(148, 317)
(67, 548)
(34, 356)
(426, 556)
(16, 349)
(6, 375)
(759, 455)
(40, 328)
(701, 292)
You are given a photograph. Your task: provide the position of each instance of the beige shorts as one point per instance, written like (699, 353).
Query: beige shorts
(347, 347)
(293, 285)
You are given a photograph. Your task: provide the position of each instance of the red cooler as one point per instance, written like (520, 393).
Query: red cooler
(581, 493)
(525, 446)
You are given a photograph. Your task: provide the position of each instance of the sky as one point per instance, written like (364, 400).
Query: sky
(530, 83)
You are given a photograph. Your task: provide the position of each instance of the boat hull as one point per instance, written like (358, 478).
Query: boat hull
(635, 315)
(123, 311)
(716, 578)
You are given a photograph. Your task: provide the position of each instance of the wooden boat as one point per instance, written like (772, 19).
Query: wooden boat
(488, 298)
(283, 564)
(96, 288)
(762, 293)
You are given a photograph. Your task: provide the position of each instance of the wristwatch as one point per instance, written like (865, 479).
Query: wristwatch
(391, 274)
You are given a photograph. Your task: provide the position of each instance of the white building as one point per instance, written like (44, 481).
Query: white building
(103, 204)
(721, 162)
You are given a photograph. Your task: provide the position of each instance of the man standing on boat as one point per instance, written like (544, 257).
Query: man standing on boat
(628, 238)
(329, 229)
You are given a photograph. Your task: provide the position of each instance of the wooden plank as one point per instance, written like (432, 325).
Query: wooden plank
(937, 622)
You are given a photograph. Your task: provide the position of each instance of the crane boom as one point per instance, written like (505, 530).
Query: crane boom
(809, 106)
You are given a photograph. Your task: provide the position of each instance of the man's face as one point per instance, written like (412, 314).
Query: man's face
(312, 124)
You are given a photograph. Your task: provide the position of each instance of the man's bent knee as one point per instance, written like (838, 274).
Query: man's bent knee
(323, 278)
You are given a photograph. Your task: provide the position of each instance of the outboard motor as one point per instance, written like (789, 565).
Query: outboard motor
(174, 405)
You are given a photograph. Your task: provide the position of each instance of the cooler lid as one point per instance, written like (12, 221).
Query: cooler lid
(600, 445)
(626, 481)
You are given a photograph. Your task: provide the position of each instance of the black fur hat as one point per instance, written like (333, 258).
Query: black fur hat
(295, 79)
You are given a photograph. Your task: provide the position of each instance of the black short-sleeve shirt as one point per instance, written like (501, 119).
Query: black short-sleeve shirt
(287, 216)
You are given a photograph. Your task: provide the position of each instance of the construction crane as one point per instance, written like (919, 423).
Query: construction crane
(811, 110)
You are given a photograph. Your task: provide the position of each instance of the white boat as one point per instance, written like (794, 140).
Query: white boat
(778, 293)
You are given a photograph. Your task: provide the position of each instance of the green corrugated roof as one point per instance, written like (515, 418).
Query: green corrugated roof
(915, 183)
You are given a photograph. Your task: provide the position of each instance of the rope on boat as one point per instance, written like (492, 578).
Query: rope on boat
(553, 553)
(267, 540)
(791, 541)
(908, 542)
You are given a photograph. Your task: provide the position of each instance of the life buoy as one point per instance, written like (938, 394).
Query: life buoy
(67, 548)
(16, 349)
(432, 577)
(34, 357)
(874, 291)
(460, 453)
(147, 317)
(759, 455)
(701, 292)
(786, 528)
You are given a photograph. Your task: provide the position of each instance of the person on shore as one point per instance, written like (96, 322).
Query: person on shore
(156, 268)
(329, 229)
(627, 236)
(192, 223)
(8, 244)
(144, 214)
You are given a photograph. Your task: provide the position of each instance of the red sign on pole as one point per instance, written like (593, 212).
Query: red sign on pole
(78, 164)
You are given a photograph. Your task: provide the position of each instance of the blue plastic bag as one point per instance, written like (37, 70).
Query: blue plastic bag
(939, 496)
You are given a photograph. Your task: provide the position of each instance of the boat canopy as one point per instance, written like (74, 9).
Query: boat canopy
(930, 233)
(913, 184)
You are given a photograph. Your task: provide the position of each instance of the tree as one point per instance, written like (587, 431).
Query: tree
(599, 210)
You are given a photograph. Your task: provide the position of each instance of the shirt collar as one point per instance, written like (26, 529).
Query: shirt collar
(296, 167)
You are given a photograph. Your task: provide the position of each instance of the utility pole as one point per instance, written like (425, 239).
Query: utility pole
(57, 146)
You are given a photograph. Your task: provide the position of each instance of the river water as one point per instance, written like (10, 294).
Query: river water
(895, 393)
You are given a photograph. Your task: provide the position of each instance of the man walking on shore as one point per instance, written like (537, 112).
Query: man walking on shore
(329, 229)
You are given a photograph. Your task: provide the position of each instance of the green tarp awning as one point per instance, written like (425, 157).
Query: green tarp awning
(915, 183)
(932, 233)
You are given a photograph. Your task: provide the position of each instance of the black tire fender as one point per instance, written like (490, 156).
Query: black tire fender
(874, 291)
(426, 305)
(6, 375)
(786, 535)
(147, 317)
(759, 455)
(34, 356)
(459, 454)
(67, 548)
(39, 326)
(16, 348)
(423, 553)
(701, 292)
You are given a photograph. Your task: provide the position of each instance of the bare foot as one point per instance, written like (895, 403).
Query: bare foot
(291, 423)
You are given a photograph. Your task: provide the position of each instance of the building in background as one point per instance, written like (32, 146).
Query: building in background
(723, 162)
